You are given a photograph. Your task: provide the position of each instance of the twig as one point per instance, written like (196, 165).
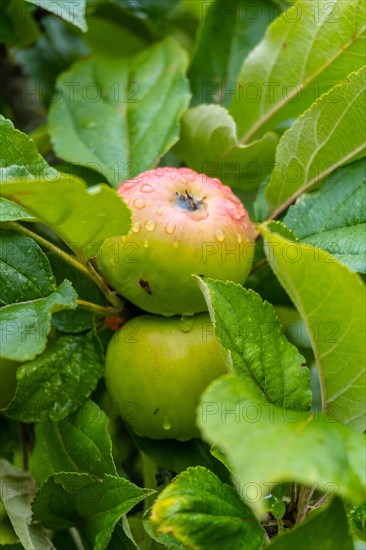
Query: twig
(87, 270)
(99, 310)
(303, 503)
(259, 265)
(108, 293)
(76, 539)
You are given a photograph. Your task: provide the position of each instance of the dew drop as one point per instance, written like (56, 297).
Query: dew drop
(139, 203)
(146, 188)
(136, 227)
(239, 238)
(170, 228)
(128, 184)
(159, 212)
(146, 244)
(235, 212)
(220, 235)
(166, 424)
(186, 323)
(150, 225)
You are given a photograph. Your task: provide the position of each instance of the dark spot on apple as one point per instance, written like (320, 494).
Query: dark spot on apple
(156, 410)
(201, 275)
(284, 45)
(145, 286)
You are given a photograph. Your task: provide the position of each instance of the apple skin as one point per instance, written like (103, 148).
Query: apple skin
(183, 223)
(156, 370)
(8, 380)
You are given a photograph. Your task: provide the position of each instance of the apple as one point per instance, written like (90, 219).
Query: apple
(157, 368)
(184, 223)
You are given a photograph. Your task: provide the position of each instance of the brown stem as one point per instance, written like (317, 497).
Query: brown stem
(303, 503)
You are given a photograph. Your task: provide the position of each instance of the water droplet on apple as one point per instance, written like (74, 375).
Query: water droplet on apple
(128, 184)
(159, 212)
(166, 424)
(186, 323)
(136, 227)
(170, 228)
(139, 203)
(146, 188)
(235, 211)
(150, 225)
(239, 238)
(146, 244)
(220, 235)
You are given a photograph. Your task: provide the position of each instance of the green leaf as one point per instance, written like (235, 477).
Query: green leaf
(82, 216)
(80, 443)
(17, 26)
(334, 217)
(122, 538)
(24, 327)
(331, 300)
(72, 11)
(324, 138)
(57, 48)
(228, 32)
(261, 355)
(266, 444)
(93, 505)
(357, 518)
(292, 67)
(59, 381)
(25, 270)
(114, 36)
(122, 114)
(328, 529)
(198, 511)
(19, 157)
(17, 492)
(209, 145)
(10, 211)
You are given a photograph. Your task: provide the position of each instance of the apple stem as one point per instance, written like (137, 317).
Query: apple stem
(99, 310)
(108, 293)
(88, 270)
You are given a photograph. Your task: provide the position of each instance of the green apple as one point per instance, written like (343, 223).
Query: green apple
(156, 370)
